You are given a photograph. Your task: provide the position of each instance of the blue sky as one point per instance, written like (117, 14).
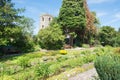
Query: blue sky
(108, 11)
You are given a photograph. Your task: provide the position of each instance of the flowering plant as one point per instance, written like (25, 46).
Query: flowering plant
(63, 52)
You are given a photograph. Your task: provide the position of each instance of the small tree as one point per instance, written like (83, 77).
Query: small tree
(51, 37)
(107, 33)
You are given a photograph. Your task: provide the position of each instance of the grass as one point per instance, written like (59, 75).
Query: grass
(26, 66)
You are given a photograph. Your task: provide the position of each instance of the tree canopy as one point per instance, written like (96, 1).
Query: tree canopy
(72, 14)
(107, 35)
(75, 17)
(14, 28)
(8, 21)
(51, 37)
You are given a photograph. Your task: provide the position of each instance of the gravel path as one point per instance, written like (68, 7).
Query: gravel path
(88, 75)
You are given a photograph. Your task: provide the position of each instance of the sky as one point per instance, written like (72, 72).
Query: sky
(108, 11)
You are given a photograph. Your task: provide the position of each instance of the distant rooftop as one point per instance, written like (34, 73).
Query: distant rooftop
(46, 15)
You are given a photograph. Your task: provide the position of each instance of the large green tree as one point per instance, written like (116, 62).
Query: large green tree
(72, 17)
(76, 19)
(8, 14)
(107, 35)
(14, 28)
(8, 21)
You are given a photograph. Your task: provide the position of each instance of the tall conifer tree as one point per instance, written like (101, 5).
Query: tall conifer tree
(72, 17)
(9, 19)
(75, 17)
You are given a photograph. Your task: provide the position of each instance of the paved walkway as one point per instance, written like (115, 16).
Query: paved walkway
(88, 75)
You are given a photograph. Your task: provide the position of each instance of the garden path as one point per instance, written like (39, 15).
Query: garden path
(88, 75)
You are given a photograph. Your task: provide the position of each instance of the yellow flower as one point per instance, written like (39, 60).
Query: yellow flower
(63, 52)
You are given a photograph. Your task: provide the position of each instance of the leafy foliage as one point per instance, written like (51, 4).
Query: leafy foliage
(14, 28)
(51, 37)
(8, 21)
(91, 21)
(116, 40)
(42, 70)
(108, 67)
(106, 35)
(75, 17)
(72, 17)
(72, 14)
(23, 62)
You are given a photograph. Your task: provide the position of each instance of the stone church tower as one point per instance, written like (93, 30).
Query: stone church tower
(45, 20)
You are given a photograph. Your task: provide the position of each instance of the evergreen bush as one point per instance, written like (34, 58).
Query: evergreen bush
(108, 67)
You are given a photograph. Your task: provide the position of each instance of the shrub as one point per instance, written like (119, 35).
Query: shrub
(51, 38)
(108, 67)
(99, 51)
(55, 68)
(75, 62)
(62, 58)
(10, 70)
(27, 44)
(102, 51)
(70, 63)
(89, 58)
(85, 45)
(23, 62)
(37, 48)
(85, 52)
(42, 70)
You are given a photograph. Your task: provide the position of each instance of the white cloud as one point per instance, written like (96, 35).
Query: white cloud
(101, 14)
(116, 18)
(98, 1)
(112, 21)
